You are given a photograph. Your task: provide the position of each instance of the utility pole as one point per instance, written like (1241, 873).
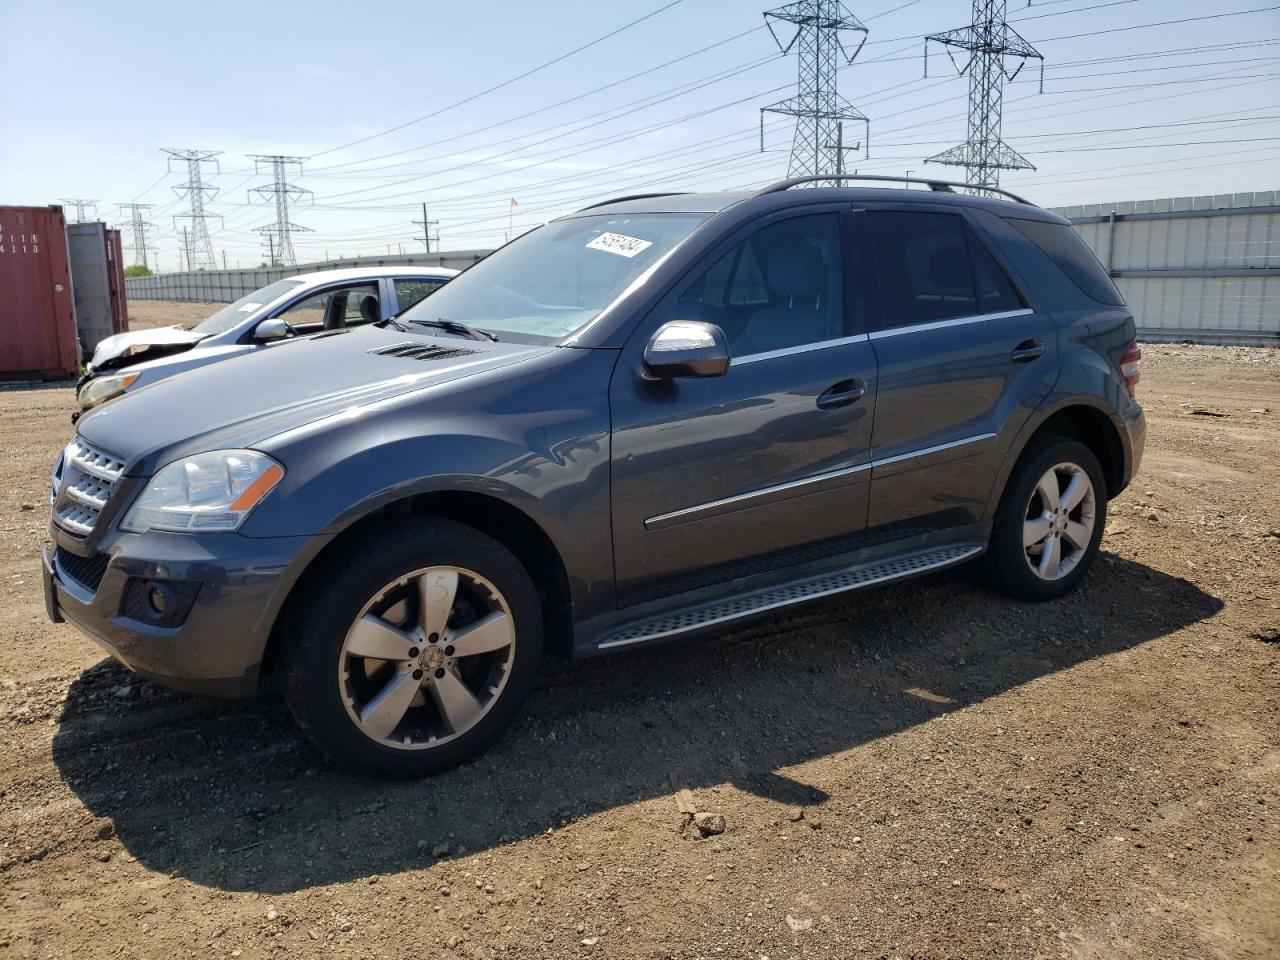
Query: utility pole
(82, 206)
(186, 248)
(224, 258)
(821, 27)
(841, 149)
(139, 226)
(990, 43)
(271, 250)
(426, 226)
(279, 233)
(200, 247)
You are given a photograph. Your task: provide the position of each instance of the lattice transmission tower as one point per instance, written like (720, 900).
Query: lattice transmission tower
(279, 234)
(198, 245)
(82, 207)
(822, 28)
(139, 226)
(991, 44)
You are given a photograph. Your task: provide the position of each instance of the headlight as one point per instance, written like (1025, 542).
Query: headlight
(209, 492)
(101, 389)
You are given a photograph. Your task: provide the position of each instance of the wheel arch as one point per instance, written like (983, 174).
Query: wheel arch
(1081, 419)
(491, 515)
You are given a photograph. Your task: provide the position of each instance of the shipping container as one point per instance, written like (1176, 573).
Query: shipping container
(37, 309)
(97, 278)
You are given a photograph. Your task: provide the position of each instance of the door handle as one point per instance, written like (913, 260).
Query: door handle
(841, 394)
(1027, 350)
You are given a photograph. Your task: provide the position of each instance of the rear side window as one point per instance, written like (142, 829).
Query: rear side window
(1063, 246)
(932, 268)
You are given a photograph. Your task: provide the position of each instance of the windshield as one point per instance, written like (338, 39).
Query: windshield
(234, 313)
(555, 280)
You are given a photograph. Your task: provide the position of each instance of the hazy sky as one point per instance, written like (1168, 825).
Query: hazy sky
(93, 90)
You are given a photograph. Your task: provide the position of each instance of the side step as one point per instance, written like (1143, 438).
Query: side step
(750, 604)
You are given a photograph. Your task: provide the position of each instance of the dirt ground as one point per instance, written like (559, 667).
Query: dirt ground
(145, 314)
(921, 771)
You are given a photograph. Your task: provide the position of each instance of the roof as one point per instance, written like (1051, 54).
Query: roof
(361, 273)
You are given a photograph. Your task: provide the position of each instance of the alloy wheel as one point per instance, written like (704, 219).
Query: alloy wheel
(427, 658)
(1059, 521)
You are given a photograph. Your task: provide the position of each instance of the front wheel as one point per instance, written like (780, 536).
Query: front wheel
(415, 649)
(1048, 526)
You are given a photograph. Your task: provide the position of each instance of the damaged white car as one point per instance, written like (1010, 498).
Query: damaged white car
(293, 307)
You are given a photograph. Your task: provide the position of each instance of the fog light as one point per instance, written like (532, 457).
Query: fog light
(160, 599)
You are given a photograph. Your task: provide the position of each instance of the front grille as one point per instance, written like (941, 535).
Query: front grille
(86, 571)
(419, 351)
(82, 484)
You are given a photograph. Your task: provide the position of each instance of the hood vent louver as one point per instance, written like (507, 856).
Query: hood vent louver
(422, 351)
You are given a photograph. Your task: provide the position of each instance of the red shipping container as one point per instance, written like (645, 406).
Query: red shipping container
(37, 310)
(119, 302)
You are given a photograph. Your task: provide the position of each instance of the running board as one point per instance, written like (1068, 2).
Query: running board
(770, 598)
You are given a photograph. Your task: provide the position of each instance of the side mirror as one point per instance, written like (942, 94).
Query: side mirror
(685, 348)
(272, 329)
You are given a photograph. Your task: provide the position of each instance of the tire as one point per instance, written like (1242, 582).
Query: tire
(380, 633)
(1025, 571)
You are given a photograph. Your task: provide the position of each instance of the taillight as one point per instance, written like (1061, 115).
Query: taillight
(1131, 367)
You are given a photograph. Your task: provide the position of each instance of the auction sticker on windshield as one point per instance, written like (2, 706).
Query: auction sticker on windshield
(620, 244)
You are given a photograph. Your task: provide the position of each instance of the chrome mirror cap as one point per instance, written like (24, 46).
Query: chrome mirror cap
(686, 348)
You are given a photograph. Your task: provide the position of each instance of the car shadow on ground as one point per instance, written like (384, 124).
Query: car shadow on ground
(228, 795)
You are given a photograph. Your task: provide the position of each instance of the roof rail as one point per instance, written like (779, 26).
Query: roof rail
(635, 196)
(938, 186)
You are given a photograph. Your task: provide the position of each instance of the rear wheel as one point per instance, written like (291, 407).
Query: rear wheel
(415, 650)
(1047, 529)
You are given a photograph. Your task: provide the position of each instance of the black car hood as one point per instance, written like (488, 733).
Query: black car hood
(243, 401)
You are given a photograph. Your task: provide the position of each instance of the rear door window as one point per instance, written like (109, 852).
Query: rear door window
(1061, 244)
(932, 267)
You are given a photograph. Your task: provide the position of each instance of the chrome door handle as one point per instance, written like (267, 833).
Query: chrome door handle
(841, 394)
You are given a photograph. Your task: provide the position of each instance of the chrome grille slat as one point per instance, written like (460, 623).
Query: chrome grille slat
(82, 486)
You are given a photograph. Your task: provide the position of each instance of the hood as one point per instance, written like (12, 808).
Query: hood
(123, 349)
(246, 400)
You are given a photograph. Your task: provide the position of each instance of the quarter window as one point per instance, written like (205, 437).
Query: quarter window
(409, 290)
(1061, 244)
(780, 287)
(932, 268)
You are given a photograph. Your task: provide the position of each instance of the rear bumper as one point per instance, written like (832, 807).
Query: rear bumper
(218, 646)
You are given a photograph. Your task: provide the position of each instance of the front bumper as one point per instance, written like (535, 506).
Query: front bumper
(239, 585)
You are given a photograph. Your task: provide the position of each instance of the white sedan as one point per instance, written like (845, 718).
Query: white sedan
(275, 314)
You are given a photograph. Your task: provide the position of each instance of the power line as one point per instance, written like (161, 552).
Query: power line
(505, 83)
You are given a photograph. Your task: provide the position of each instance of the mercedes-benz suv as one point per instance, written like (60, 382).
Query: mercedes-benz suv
(658, 416)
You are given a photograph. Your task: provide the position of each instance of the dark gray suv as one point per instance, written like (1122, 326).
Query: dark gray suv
(657, 416)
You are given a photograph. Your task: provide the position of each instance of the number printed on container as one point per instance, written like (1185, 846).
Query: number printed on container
(620, 244)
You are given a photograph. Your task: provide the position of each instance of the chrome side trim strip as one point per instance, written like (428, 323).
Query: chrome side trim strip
(800, 348)
(885, 461)
(669, 519)
(941, 324)
(688, 513)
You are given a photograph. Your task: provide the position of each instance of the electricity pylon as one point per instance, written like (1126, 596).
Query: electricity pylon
(198, 246)
(279, 234)
(990, 43)
(81, 206)
(139, 227)
(821, 27)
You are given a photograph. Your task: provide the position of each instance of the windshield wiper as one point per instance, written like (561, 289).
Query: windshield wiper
(391, 322)
(453, 326)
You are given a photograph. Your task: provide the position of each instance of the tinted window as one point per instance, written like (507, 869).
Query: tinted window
(780, 287)
(996, 292)
(932, 267)
(409, 290)
(1073, 257)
